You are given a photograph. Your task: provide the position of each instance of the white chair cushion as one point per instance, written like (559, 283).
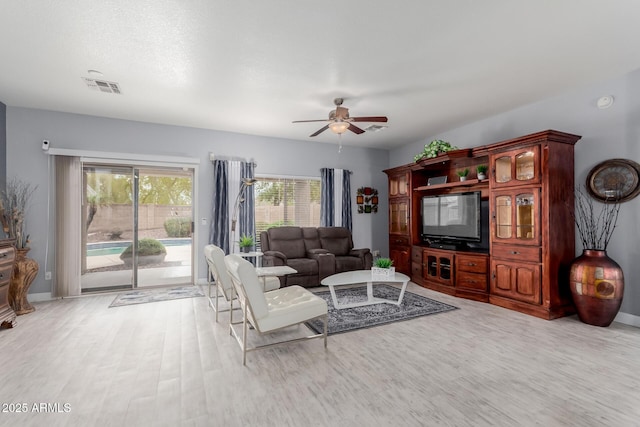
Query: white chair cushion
(271, 283)
(245, 275)
(219, 268)
(290, 305)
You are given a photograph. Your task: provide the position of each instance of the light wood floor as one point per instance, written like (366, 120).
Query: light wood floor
(169, 364)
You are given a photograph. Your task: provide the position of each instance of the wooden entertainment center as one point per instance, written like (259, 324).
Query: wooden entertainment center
(530, 192)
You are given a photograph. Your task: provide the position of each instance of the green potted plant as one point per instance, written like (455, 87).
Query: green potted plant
(482, 172)
(463, 174)
(434, 148)
(383, 266)
(246, 243)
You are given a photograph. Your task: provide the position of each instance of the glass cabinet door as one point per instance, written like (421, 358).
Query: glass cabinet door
(398, 217)
(398, 185)
(516, 216)
(503, 217)
(516, 167)
(525, 217)
(503, 169)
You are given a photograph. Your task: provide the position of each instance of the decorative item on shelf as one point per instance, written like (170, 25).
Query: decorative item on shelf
(482, 172)
(383, 267)
(367, 200)
(246, 243)
(434, 148)
(463, 174)
(596, 281)
(13, 204)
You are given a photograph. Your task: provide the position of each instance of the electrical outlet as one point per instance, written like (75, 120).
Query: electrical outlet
(47, 275)
(376, 253)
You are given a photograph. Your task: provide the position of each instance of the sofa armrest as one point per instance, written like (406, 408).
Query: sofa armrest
(273, 258)
(365, 255)
(313, 253)
(326, 262)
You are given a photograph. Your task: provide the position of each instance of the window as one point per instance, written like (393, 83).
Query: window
(286, 201)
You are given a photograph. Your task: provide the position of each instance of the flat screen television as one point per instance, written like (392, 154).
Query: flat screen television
(452, 217)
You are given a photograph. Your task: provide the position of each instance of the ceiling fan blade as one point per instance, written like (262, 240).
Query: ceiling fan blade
(309, 121)
(355, 129)
(319, 131)
(369, 119)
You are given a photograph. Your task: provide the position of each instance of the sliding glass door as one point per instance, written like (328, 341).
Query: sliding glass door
(137, 229)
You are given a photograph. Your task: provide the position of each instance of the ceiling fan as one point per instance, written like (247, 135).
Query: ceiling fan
(339, 120)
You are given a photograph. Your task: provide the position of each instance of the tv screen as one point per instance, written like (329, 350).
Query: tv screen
(452, 217)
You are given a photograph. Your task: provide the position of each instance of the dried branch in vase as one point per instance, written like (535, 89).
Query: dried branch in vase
(13, 204)
(595, 227)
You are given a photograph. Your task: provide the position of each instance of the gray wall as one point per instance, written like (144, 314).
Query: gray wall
(26, 128)
(3, 145)
(606, 134)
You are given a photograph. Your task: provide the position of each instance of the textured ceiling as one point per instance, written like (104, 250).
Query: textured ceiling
(253, 67)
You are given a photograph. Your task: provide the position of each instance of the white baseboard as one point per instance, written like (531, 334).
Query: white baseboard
(628, 319)
(42, 296)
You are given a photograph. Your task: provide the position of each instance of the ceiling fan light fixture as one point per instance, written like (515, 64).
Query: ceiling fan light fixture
(339, 127)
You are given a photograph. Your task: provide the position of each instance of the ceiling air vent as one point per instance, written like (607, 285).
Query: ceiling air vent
(375, 128)
(102, 85)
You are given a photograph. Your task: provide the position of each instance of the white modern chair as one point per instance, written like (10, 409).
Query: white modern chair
(271, 311)
(218, 278)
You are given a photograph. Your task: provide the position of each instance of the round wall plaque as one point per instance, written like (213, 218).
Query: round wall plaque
(614, 180)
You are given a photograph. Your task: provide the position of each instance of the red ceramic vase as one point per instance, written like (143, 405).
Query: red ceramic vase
(597, 287)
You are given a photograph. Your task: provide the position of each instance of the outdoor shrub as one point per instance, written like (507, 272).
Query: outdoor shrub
(145, 247)
(178, 226)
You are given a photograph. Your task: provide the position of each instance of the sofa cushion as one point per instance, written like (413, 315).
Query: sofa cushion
(336, 240)
(311, 239)
(287, 240)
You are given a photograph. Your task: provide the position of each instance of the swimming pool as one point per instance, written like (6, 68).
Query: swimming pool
(116, 248)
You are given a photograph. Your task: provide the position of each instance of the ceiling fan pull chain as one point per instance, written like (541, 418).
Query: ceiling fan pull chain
(339, 143)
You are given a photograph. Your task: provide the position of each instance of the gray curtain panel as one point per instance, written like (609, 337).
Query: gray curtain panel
(326, 197)
(346, 199)
(246, 214)
(219, 232)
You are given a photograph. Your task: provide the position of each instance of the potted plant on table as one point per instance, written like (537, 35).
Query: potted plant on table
(246, 243)
(383, 267)
(596, 281)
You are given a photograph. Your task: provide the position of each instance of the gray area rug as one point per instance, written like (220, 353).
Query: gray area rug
(141, 296)
(348, 319)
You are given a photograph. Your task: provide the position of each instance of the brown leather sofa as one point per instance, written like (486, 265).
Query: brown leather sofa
(314, 253)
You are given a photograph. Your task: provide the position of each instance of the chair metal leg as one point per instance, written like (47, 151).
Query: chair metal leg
(245, 331)
(326, 322)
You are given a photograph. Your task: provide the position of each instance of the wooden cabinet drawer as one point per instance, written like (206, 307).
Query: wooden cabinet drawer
(416, 270)
(471, 263)
(416, 254)
(471, 281)
(6, 257)
(517, 253)
(398, 240)
(5, 273)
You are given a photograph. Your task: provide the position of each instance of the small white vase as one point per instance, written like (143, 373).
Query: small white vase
(377, 271)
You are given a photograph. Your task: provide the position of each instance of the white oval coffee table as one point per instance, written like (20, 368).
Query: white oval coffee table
(366, 277)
